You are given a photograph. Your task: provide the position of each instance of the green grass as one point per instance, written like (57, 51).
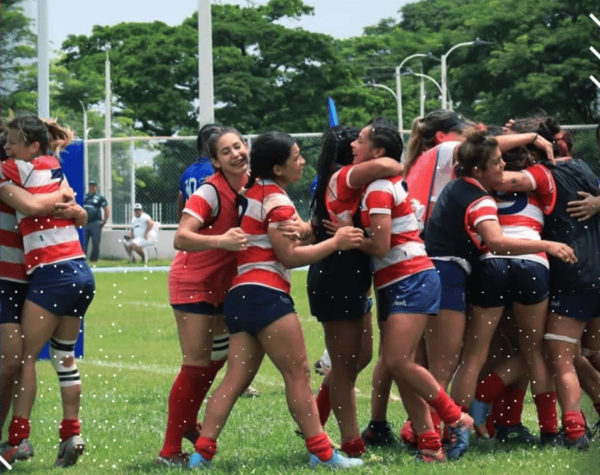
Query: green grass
(131, 358)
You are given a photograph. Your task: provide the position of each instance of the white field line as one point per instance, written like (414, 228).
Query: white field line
(595, 81)
(593, 50)
(593, 17)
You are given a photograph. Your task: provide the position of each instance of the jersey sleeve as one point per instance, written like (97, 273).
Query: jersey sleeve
(484, 209)
(280, 214)
(9, 174)
(544, 186)
(203, 204)
(379, 197)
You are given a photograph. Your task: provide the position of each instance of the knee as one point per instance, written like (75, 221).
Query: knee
(10, 365)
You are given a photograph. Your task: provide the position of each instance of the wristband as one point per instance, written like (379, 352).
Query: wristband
(534, 139)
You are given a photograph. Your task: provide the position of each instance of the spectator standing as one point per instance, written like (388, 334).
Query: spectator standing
(98, 213)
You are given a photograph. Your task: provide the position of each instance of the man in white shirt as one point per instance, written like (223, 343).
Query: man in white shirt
(140, 234)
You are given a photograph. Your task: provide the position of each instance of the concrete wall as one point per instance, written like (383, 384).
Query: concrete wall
(111, 245)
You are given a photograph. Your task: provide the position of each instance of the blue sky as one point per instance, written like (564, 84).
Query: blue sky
(339, 18)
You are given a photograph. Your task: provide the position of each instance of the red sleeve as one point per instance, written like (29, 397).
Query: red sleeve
(544, 186)
(379, 198)
(203, 204)
(280, 214)
(483, 209)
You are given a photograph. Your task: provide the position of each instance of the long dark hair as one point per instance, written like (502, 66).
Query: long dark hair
(335, 154)
(268, 150)
(541, 124)
(203, 137)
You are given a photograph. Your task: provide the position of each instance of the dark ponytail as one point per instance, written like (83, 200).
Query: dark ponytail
(335, 153)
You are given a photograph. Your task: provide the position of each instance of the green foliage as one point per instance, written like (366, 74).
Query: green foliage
(17, 43)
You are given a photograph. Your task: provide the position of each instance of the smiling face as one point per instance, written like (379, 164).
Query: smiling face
(492, 176)
(362, 147)
(17, 149)
(291, 170)
(232, 155)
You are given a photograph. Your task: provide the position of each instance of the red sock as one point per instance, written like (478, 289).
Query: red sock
(513, 406)
(18, 430)
(495, 415)
(546, 409)
(69, 428)
(429, 440)
(574, 424)
(323, 404)
(437, 422)
(408, 434)
(597, 407)
(354, 448)
(206, 447)
(320, 446)
(489, 388)
(447, 409)
(187, 393)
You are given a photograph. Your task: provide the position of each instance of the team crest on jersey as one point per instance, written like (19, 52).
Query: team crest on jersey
(511, 204)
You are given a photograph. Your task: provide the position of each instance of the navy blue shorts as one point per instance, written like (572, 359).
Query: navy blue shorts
(454, 283)
(200, 308)
(250, 308)
(497, 282)
(65, 288)
(582, 305)
(12, 298)
(338, 286)
(417, 294)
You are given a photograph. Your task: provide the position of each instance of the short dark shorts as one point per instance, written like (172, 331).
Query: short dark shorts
(200, 308)
(12, 298)
(497, 282)
(454, 281)
(582, 305)
(416, 294)
(338, 285)
(65, 288)
(250, 308)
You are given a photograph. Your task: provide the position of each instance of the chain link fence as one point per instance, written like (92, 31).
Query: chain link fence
(147, 171)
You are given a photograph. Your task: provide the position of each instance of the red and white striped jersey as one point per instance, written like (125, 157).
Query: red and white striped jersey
(46, 240)
(407, 254)
(521, 215)
(12, 257)
(268, 205)
(341, 199)
(206, 276)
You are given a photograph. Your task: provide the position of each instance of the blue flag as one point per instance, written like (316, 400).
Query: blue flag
(333, 118)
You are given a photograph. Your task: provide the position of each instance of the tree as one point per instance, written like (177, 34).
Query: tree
(539, 58)
(17, 43)
(266, 75)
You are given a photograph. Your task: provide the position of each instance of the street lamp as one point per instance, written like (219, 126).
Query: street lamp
(399, 83)
(477, 42)
(425, 76)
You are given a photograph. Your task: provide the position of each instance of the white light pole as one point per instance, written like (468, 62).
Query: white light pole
(86, 171)
(43, 61)
(477, 42)
(399, 86)
(399, 83)
(206, 114)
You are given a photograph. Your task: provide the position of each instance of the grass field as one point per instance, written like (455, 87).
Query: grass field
(131, 358)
